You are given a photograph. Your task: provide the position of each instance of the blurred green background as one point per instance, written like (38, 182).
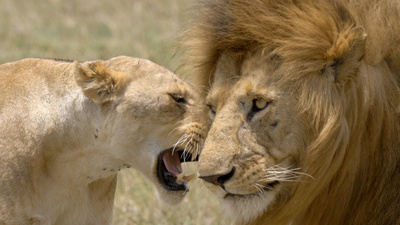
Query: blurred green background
(101, 29)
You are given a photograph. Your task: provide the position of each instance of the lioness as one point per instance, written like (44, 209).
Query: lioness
(67, 128)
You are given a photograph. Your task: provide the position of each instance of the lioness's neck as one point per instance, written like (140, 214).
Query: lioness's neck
(81, 156)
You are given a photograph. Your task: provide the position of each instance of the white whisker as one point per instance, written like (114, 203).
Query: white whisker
(181, 140)
(259, 187)
(282, 174)
(187, 142)
(172, 131)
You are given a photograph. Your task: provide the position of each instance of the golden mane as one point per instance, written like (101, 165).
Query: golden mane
(238, 27)
(356, 157)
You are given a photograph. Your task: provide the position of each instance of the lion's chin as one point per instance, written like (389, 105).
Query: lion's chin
(244, 208)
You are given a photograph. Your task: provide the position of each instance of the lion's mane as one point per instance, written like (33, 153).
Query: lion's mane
(355, 158)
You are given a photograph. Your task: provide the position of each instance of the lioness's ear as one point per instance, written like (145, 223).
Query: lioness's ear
(345, 55)
(98, 82)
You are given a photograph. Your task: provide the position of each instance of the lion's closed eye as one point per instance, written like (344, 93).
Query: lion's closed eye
(213, 109)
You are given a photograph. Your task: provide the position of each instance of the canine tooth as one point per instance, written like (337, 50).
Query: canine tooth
(180, 176)
(194, 155)
(189, 178)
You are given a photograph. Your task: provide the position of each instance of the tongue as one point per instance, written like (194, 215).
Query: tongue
(172, 163)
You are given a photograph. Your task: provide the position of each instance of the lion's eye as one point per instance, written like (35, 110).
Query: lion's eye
(259, 104)
(212, 109)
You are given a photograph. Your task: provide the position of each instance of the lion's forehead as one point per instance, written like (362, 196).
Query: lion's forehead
(258, 77)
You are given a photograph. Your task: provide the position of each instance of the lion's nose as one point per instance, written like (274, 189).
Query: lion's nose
(219, 179)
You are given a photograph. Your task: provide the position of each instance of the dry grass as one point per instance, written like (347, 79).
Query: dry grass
(136, 203)
(90, 29)
(93, 29)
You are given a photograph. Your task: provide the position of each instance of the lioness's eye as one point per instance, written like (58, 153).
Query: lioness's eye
(259, 104)
(178, 99)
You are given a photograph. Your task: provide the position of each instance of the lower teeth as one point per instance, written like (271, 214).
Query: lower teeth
(188, 168)
(189, 178)
(180, 176)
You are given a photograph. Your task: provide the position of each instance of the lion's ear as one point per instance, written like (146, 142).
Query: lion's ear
(345, 55)
(98, 82)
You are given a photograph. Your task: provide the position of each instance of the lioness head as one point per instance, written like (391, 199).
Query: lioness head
(67, 128)
(153, 125)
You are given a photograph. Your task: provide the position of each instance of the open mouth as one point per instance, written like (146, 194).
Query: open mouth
(169, 169)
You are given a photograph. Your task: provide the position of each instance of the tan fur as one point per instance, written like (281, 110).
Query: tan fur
(68, 128)
(330, 134)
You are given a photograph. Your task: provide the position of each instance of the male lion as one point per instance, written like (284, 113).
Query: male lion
(67, 128)
(305, 102)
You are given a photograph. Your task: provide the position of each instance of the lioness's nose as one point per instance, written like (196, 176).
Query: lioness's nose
(219, 179)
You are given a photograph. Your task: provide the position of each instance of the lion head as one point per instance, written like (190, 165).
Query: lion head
(305, 117)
